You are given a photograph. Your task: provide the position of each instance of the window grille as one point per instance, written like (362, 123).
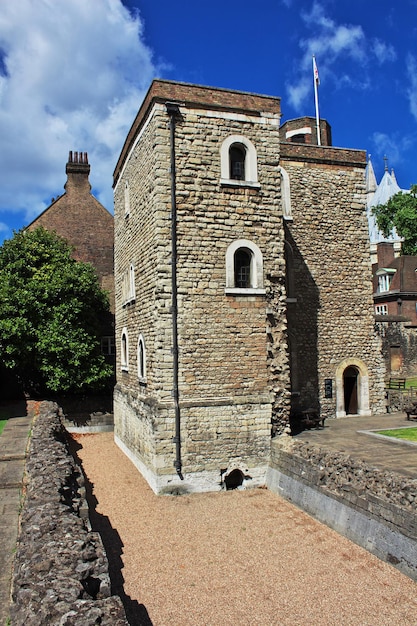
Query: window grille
(243, 260)
(237, 162)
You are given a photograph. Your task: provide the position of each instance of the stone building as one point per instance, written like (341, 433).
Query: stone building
(242, 283)
(88, 227)
(380, 194)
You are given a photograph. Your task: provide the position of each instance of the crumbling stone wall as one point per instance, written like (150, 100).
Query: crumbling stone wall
(401, 336)
(61, 569)
(338, 473)
(375, 508)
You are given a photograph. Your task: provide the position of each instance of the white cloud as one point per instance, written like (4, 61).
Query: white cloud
(72, 77)
(340, 49)
(383, 52)
(394, 146)
(412, 82)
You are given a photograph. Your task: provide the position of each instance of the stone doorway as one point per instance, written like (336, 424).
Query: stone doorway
(350, 388)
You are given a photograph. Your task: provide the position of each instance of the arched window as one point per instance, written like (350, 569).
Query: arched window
(238, 162)
(127, 199)
(244, 268)
(237, 155)
(132, 288)
(124, 350)
(128, 286)
(141, 359)
(285, 194)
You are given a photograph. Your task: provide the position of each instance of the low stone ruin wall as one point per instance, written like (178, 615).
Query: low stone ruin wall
(61, 569)
(374, 508)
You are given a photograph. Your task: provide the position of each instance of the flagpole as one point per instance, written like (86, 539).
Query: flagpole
(316, 98)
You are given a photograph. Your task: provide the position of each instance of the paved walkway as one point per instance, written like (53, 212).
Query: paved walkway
(13, 444)
(346, 435)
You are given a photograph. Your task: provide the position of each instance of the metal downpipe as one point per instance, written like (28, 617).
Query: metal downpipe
(174, 114)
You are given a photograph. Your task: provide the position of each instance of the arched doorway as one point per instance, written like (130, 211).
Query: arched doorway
(350, 388)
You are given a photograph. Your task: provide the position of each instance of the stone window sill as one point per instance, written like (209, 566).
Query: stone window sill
(249, 291)
(225, 182)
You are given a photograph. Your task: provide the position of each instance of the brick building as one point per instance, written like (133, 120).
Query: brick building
(395, 299)
(85, 223)
(242, 284)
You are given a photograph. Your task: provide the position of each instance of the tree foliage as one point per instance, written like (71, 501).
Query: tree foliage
(400, 212)
(51, 307)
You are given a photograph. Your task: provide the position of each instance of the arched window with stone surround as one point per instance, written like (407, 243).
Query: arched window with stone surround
(124, 350)
(127, 199)
(285, 195)
(141, 359)
(237, 157)
(244, 268)
(238, 162)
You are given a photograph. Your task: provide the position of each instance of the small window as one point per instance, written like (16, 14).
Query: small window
(108, 346)
(298, 138)
(384, 283)
(237, 154)
(285, 194)
(124, 350)
(132, 289)
(238, 162)
(128, 286)
(381, 309)
(141, 359)
(127, 199)
(385, 276)
(244, 268)
(242, 263)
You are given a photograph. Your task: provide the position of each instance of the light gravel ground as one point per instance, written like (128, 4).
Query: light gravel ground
(236, 558)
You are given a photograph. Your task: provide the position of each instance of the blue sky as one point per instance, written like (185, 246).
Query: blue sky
(73, 75)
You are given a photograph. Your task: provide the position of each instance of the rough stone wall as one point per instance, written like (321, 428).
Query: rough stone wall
(61, 569)
(374, 508)
(328, 258)
(399, 335)
(227, 355)
(339, 474)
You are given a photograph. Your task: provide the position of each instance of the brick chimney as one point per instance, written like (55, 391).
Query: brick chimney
(385, 251)
(77, 170)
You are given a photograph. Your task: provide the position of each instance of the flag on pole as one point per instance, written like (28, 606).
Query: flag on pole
(316, 72)
(316, 98)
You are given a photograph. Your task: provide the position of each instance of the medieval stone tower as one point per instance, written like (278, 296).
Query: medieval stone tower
(241, 263)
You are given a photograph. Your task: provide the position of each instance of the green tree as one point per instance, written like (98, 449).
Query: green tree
(400, 212)
(50, 311)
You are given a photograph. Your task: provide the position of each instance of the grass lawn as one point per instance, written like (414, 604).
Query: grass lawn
(410, 434)
(2, 425)
(410, 382)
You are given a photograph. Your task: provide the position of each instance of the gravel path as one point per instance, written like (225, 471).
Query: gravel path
(236, 558)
